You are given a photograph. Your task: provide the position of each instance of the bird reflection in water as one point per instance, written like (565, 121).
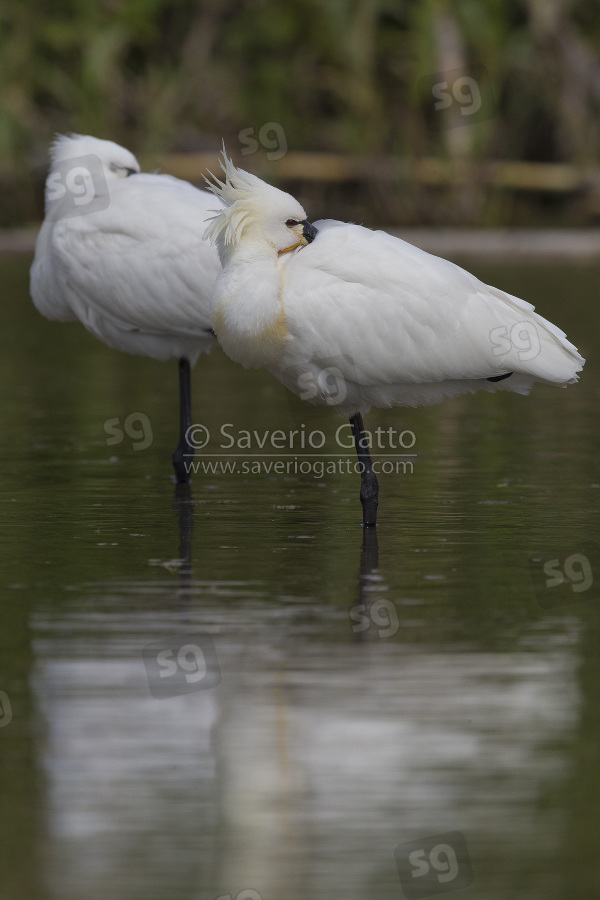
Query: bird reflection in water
(374, 615)
(183, 503)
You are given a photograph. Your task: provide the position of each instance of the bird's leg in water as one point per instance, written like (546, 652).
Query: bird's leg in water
(369, 487)
(184, 451)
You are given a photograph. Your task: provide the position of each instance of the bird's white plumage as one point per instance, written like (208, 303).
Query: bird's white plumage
(398, 325)
(136, 273)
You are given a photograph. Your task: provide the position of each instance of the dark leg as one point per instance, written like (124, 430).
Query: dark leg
(369, 487)
(184, 451)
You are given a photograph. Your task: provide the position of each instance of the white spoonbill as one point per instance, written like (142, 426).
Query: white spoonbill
(123, 252)
(398, 326)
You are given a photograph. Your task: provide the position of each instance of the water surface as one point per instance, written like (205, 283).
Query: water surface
(375, 689)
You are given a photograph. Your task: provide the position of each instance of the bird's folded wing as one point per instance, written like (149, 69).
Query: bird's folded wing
(386, 312)
(141, 263)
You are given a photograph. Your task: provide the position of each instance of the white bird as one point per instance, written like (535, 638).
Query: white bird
(123, 252)
(397, 326)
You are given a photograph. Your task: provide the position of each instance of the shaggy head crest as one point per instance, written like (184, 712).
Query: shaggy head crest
(246, 199)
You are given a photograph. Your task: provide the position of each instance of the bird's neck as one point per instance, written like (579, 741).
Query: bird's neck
(247, 307)
(245, 251)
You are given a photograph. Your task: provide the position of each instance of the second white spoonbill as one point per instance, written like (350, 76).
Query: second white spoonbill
(123, 252)
(401, 327)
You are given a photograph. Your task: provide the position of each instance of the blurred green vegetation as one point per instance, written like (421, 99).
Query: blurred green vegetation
(337, 75)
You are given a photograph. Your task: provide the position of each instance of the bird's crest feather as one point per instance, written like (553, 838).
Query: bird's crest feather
(61, 146)
(246, 198)
(240, 193)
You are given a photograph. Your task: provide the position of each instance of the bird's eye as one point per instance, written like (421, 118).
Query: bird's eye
(291, 222)
(122, 171)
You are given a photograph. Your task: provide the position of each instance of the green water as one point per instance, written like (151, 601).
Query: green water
(372, 694)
